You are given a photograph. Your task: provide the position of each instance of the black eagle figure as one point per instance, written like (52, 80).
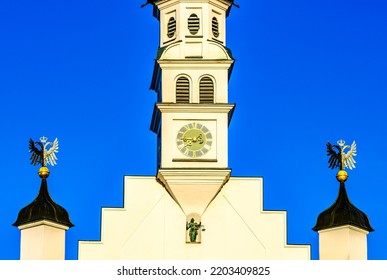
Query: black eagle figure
(37, 155)
(335, 156)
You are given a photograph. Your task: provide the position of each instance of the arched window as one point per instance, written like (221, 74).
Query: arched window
(182, 90)
(206, 90)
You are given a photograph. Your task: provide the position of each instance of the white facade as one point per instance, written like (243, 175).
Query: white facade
(152, 226)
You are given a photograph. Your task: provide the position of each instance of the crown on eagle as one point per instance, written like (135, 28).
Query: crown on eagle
(43, 139)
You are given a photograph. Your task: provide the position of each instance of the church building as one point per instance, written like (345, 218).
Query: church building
(193, 209)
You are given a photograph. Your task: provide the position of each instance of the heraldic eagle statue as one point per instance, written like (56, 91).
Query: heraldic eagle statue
(337, 156)
(41, 154)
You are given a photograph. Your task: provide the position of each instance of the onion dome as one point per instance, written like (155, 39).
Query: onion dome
(342, 212)
(43, 208)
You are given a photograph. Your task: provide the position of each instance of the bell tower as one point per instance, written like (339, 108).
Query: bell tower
(164, 216)
(192, 113)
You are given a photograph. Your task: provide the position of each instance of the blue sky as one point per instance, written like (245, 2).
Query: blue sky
(305, 73)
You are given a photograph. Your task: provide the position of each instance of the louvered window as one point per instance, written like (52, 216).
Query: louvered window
(206, 90)
(193, 24)
(171, 27)
(182, 90)
(215, 27)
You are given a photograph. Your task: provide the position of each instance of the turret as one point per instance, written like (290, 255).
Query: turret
(342, 228)
(43, 222)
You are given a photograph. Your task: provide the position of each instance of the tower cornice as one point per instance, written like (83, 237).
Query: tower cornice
(196, 63)
(160, 108)
(194, 108)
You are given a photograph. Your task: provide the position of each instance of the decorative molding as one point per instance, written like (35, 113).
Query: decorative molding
(43, 223)
(195, 108)
(354, 228)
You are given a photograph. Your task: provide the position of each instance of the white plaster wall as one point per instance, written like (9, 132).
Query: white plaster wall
(343, 243)
(152, 226)
(218, 71)
(216, 122)
(181, 10)
(42, 241)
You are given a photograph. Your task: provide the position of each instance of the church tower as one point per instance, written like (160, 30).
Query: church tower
(192, 112)
(192, 209)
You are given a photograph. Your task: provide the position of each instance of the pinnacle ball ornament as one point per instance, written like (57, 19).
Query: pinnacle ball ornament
(342, 176)
(43, 172)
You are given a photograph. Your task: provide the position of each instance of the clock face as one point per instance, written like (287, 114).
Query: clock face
(194, 140)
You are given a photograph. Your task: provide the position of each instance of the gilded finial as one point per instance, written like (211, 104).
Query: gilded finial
(43, 154)
(341, 160)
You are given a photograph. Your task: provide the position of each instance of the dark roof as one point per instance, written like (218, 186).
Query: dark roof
(342, 212)
(43, 208)
(154, 1)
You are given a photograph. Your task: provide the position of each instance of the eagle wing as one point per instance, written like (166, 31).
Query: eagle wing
(50, 156)
(334, 157)
(348, 160)
(36, 157)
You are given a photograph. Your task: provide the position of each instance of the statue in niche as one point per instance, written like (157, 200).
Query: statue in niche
(193, 228)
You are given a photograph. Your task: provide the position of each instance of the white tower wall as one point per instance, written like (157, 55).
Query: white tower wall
(42, 240)
(343, 243)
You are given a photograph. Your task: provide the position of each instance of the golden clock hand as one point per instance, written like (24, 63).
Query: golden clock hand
(187, 141)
